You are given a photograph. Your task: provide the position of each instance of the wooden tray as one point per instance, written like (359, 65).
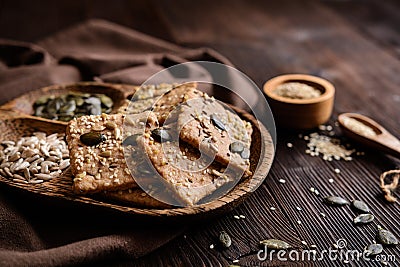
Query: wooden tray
(16, 121)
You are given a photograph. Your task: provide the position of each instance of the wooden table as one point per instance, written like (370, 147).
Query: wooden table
(355, 45)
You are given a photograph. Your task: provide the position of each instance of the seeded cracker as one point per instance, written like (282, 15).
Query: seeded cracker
(136, 197)
(206, 124)
(98, 167)
(189, 184)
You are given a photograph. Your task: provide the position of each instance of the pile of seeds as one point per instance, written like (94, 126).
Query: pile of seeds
(34, 159)
(71, 105)
(358, 127)
(330, 148)
(296, 90)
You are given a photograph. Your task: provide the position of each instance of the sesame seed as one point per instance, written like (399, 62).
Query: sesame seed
(212, 246)
(298, 208)
(298, 222)
(282, 181)
(304, 243)
(242, 216)
(236, 217)
(235, 261)
(272, 208)
(331, 180)
(337, 171)
(289, 145)
(322, 214)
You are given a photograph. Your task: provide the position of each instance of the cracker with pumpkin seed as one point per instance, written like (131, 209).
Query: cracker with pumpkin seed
(97, 156)
(209, 125)
(189, 175)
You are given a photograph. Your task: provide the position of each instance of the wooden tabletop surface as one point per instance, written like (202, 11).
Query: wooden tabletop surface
(353, 44)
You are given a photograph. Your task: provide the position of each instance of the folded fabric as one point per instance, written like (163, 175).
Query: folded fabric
(38, 231)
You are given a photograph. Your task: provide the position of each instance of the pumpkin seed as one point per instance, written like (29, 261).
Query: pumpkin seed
(360, 206)
(217, 123)
(275, 244)
(335, 201)
(160, 135)
(224, 239)
(105, 154)
(364, 218)
(245, 153)
(131, 140)
(110, 125)
(374, 249)
(92, 138)
(69, 107)
(236, 147)
(385, 237)
(106, 101)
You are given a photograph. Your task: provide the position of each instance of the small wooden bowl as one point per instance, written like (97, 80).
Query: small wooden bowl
(24, 103)
(300, 113)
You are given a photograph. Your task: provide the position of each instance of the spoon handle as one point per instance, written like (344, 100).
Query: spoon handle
(392, 144)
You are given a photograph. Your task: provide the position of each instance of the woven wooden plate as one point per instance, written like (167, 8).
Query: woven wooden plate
(14, 123)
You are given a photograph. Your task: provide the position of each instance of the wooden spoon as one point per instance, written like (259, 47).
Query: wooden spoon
(383, 140)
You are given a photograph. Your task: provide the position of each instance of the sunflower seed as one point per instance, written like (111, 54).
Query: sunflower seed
(360, 206)
(385, 237)
(335, 201)
(275, 244)
(225, 239)
(364, 218)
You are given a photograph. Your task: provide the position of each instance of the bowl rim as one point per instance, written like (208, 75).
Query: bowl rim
(272, 83)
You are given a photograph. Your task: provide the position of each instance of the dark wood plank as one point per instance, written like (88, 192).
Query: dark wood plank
(357, 51)
(378, 20)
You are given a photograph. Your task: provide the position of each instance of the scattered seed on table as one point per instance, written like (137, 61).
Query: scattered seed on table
(364, 218)
(290, 145)
(304, 243)
(235, 261)
(337, 170)
(236, 217)
(212, 246)
(242, 216)
(386, 237)
(335, 201)
(298, 222)
(275, 244)
(272, 208)
(374, 249)
(298, 208)
(360, 206)
(322, 214)
(224, 239)
(282, 181)
(331, 180)
(313, 246)
(312, 189)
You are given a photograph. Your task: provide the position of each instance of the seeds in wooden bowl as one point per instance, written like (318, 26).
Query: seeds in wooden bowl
(68, 106)
(34, 159)
(358, 127)
(296, 90)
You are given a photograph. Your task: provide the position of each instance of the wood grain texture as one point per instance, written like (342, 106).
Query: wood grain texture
(354, 44)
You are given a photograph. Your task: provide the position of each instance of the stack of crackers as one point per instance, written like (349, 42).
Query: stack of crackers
(171, 145)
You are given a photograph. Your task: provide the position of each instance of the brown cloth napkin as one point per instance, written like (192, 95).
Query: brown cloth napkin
(41, 231)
